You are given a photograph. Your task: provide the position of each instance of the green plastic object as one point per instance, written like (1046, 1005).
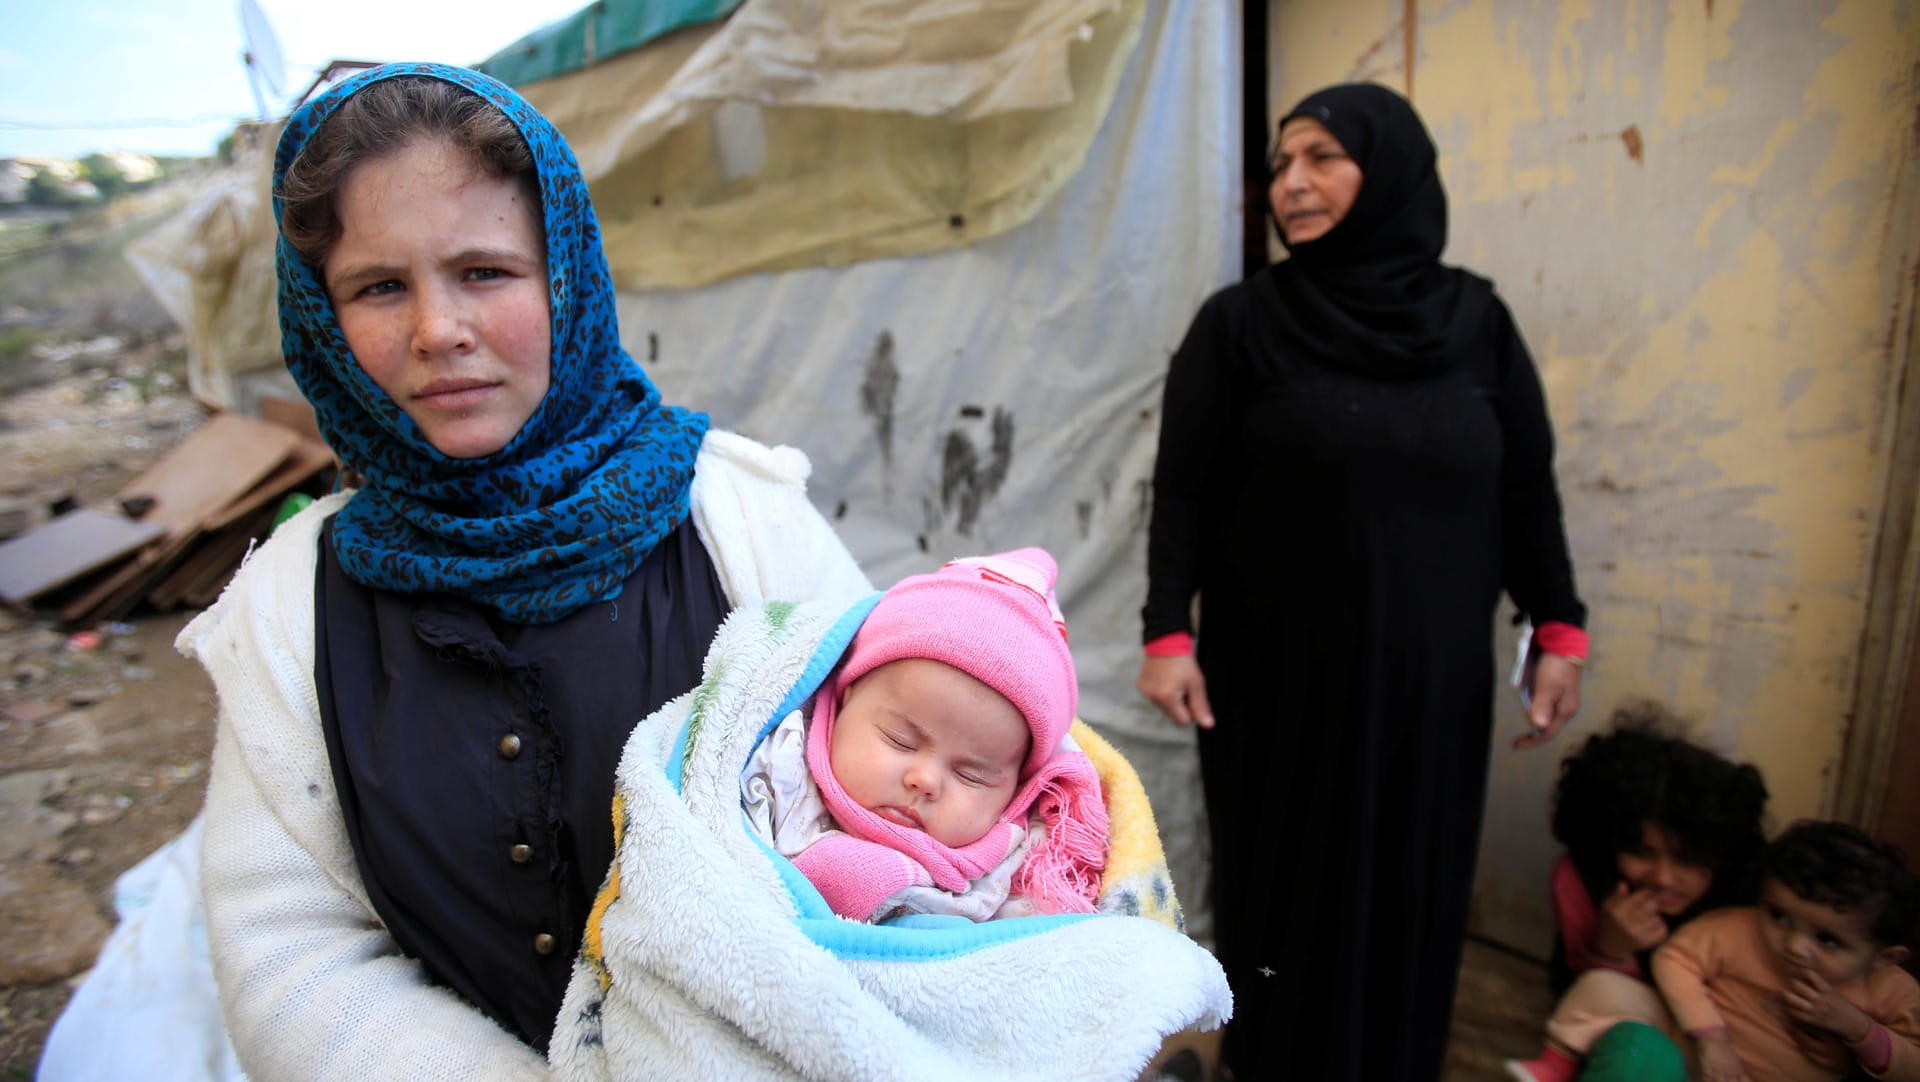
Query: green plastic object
(295, 503)
(1634, 1052)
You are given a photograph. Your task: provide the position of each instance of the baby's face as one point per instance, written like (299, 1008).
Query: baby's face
(1805, 934)
(922, 744)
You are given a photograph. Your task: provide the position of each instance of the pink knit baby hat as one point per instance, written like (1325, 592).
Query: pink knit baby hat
(992, 617)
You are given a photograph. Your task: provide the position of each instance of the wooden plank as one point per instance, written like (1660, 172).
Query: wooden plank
(293, 414)
(179, 580)
(61, 551)
(213, 557)
(114, 594)
(302, 465)
(218, 463)
(207, 589)
(221, 461)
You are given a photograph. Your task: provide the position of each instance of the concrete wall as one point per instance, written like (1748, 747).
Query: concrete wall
(1703, 214)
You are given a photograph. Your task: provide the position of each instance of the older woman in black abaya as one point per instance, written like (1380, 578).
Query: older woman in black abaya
(1355, 461)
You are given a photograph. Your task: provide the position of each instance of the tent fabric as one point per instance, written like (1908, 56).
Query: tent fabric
(211, 269)
(595, 33)
(800, 134)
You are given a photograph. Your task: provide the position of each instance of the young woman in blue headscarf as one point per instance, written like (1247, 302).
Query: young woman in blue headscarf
(426, 683)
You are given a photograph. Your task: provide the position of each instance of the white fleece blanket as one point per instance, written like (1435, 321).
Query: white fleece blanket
(709, 956)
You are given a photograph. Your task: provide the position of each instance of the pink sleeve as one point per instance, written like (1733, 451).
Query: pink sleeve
(855, 876)
(1579, 922)
(1897, 1011)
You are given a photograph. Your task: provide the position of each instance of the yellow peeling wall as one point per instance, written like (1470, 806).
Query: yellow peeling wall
(1706, 218)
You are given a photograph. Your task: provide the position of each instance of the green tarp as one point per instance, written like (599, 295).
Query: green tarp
(596, 32)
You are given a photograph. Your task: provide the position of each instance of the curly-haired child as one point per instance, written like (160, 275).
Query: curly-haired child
(1656, 829)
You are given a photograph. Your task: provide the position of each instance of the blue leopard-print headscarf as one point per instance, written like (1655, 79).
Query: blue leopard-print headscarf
(560, 516)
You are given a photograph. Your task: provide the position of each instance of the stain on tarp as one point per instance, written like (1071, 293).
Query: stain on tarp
(1636, 146)
(970, 478)
(878, 388)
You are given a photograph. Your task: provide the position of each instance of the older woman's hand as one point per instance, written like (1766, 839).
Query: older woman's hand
(1555, 700)
(1175, 685)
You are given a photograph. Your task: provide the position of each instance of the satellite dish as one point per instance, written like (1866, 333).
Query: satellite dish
(265, 66)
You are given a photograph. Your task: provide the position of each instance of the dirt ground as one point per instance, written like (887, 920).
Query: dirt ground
(103, 751)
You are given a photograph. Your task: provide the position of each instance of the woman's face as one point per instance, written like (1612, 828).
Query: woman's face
(1657, 866)
(439, 280)
(1314, 181)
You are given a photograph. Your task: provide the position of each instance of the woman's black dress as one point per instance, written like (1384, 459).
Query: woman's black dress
(1348, 519)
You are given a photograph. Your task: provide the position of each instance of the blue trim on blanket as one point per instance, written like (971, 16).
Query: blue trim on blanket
(851, 941)
(825, 656)
(806, 897)
(832, 646)
(915, 937)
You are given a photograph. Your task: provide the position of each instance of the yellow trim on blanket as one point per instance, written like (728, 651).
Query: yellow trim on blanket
(591, 951)
(1136, 881)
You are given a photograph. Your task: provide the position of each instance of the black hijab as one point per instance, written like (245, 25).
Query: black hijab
(1370, 294)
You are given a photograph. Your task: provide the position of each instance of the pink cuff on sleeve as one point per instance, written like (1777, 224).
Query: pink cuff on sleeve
(1563, 639)
(855, 875)
(1875, 1051)
(1172, 644)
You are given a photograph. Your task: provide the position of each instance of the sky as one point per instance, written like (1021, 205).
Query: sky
(80, 76)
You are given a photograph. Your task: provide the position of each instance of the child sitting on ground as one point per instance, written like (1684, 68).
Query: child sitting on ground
(1656, 829)
(933, 772)
(1808, 983)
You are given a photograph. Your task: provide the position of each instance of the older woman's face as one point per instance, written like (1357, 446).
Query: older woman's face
(1314, 180)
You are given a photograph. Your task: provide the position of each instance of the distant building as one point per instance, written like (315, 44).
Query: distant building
(14, 176)
(63, 169)
(136, 168)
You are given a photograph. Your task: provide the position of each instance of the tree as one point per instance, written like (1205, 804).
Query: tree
(105, 173)
(47, 189)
